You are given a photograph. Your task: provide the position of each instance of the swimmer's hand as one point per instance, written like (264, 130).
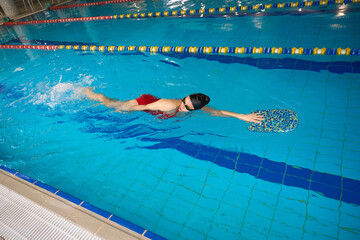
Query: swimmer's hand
(252, 117)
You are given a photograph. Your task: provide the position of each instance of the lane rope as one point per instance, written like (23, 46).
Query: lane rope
(194, 50)
(81, 19)
(91, 4)
(194, 12)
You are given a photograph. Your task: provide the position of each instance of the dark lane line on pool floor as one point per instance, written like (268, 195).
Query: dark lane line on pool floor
(266, 63)
(326, 184)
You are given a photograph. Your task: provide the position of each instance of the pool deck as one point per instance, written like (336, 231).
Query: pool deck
(37, 9)
(96, 225)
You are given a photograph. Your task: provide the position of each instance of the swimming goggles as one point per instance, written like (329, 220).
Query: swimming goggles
(186, 106)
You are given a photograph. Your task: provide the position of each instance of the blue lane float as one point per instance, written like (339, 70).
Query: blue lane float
(217, 50)
(195, 12)
(234, 9)
(195, 49)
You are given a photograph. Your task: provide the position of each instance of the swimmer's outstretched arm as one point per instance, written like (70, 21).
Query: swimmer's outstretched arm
(252, 117)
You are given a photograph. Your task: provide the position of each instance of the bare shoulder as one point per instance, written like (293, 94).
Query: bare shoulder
(170, 101)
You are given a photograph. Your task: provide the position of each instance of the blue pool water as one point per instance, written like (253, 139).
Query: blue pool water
(196, 177)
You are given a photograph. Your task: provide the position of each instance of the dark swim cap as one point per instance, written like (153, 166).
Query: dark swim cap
(199, 100)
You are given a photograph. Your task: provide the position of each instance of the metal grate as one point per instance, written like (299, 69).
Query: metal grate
(20, 218)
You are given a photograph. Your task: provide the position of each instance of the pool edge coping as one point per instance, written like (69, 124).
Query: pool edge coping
(80, 205)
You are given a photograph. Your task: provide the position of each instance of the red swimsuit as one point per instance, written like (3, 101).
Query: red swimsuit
(147, 99)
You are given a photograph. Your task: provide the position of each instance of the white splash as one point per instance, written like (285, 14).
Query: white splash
(87, 79)
(336, 26)
(177, 84)
(18, 69)
(62, 93)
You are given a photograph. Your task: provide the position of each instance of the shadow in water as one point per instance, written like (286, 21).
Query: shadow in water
(332, 186)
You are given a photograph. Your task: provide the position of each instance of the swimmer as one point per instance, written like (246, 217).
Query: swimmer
(168, 108)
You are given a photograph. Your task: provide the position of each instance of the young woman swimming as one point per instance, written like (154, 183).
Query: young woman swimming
(168, 108)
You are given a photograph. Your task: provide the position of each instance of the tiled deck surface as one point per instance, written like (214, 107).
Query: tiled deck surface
(93, 225)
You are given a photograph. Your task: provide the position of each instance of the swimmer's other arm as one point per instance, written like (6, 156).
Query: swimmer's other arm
(253, 117)
(160, 105)
(130, 105)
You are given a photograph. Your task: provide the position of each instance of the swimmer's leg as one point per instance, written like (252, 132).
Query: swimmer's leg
(109, 102)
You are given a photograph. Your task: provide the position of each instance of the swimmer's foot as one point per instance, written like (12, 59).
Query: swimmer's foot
(87, 91)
